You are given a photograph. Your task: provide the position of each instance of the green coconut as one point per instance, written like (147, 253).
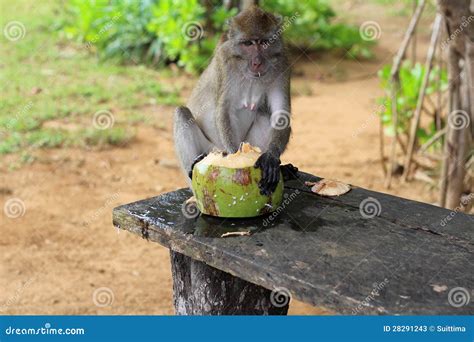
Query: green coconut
(227, 186)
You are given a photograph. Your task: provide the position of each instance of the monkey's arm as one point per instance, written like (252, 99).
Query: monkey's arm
(269, 162)
(224, 127)
(278, 140)
(279, 102)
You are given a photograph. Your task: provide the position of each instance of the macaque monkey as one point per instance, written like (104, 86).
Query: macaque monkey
(243, 95)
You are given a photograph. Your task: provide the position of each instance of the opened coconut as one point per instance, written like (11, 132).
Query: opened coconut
(227, 185)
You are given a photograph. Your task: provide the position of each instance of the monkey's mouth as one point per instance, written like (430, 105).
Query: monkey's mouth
(257, 74)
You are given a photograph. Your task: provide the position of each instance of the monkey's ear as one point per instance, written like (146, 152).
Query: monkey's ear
(279, 19)
(229, 27)
(228, 22)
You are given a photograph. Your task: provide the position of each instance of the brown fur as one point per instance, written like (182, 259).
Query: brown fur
(255, 21)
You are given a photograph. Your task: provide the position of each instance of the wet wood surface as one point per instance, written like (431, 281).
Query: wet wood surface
(361, 253)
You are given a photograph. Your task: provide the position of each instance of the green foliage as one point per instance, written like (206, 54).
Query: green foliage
(308, 24)
(116, 136)
(185, 32)
(407, 96)
(180, 27)
(149, 31)
(117, 28)
(51, 90)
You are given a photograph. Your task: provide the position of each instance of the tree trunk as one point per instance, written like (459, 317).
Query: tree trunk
(458, 141)
(199, 289)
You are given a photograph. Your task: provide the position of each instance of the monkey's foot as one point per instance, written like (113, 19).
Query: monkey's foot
(195, 161)
(270, 166)
(289, 172)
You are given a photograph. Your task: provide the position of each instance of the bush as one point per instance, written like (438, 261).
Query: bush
(160, 32)
(116, 29)
(179, 26)
(410, 82)
(310, 26)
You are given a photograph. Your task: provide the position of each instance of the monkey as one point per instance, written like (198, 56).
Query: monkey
(243, 95)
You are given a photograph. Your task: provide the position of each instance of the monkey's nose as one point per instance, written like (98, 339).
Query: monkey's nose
(256, 63)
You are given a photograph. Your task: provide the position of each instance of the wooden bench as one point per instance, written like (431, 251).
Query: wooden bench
(361, 253)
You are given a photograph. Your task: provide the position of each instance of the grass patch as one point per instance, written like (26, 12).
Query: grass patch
(114, 136)
(44, 77)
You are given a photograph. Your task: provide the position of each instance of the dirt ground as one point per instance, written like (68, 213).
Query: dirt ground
(52, 263)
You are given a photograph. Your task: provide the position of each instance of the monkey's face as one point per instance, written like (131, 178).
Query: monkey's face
(255, 38)
(252, 51)
(257, 57)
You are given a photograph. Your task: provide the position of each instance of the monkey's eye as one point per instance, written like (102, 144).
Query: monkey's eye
(263, 41)
(247, 42)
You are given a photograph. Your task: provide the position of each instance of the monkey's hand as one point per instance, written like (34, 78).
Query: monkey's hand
(270, 166)
(195, 161)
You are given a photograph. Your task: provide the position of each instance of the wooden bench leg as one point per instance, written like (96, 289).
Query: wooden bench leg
(200, 289)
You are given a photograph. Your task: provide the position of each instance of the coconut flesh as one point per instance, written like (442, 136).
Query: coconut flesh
(227, 186)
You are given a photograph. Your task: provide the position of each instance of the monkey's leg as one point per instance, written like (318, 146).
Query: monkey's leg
(190, 141)
(289, 172)
(195, 161)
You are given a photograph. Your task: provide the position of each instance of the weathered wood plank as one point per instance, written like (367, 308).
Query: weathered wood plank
(324, 251)
(199, 289)
(404, 212)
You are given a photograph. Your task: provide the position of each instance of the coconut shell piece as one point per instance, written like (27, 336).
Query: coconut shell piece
(329, 187)
(244, 233)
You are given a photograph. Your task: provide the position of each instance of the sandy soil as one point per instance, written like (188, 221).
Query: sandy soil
(52, 262)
